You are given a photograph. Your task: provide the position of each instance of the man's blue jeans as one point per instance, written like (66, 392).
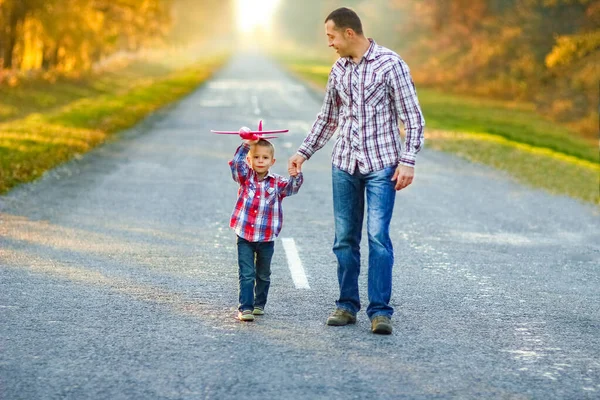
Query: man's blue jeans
(348, 209)
(254, 262)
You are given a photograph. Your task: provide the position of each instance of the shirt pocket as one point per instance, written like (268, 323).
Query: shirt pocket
(270, 195)
(343, 92)
(375, 93)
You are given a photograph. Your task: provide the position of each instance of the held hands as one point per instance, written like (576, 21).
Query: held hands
(403, 176)
(295, 164)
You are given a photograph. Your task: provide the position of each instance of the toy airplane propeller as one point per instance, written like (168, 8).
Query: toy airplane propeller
(246, 133)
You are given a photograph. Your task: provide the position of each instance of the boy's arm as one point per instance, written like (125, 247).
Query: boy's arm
(239, 166)
(289, 187)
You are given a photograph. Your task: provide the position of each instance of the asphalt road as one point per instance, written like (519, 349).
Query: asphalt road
(118, 275)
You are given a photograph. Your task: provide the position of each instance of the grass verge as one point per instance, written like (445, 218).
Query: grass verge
(507, 136)
(83, 114)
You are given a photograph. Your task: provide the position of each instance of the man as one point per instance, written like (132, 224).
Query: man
(368, 91)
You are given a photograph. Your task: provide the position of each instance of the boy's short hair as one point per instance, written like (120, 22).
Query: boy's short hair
(264, 143)
(345, 18)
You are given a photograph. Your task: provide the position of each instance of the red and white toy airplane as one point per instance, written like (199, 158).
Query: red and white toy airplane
(247, 134)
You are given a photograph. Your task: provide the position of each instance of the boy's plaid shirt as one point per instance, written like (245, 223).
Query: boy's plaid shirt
(258, 215)
(367, 100)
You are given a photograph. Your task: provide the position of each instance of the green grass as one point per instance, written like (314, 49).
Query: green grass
(517, 122)
(505, 135)
(549, 173)
(40, 95)
(84, 114)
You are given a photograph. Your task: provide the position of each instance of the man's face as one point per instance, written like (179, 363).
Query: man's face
(261, 159)
(337, 39)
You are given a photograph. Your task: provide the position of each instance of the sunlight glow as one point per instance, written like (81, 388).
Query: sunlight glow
(255, 16)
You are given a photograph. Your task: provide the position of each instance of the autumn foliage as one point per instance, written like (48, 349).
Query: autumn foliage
(543, 51)
(73, 35)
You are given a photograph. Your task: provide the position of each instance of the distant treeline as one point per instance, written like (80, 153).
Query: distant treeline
(71, 35)
(543, 51)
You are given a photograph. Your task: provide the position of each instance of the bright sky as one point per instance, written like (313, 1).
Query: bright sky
(255, 15)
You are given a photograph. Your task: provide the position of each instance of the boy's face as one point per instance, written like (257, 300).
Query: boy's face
(261, 159)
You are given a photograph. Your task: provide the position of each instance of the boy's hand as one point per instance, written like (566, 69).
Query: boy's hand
(247, 136)
(293, 172)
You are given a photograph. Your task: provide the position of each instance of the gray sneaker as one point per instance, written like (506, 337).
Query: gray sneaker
(382, 325)
(258, 311)
(341, 317)
(245, 315)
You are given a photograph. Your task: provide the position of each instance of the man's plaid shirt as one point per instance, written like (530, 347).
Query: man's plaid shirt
(365, 101)
(258, 215)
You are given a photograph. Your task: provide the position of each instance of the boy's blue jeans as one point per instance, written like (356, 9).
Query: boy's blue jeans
(254, 262)
(348, 208)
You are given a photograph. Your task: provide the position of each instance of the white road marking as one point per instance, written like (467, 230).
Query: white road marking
(294, 264)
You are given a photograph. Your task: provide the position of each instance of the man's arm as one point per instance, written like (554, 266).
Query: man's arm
(404, 95)
(323, 127)
(405, 99)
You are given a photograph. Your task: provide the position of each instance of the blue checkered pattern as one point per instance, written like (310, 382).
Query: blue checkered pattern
(258, 215)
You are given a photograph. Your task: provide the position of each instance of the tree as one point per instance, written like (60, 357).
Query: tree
(540, 50)
(75, 33)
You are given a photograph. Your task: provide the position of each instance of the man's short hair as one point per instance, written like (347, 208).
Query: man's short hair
(264, 143)
(345, 18)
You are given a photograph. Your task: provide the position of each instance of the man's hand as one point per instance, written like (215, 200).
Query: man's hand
(295, 164)
(403, 176)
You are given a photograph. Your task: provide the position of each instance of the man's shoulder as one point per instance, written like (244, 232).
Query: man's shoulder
(386, 56)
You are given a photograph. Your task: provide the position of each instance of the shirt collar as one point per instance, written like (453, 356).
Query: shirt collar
(268, 175)
(370, 54)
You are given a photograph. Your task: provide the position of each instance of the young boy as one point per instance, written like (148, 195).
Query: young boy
(257, 219)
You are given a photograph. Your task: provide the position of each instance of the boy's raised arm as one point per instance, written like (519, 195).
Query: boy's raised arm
(239, 166)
